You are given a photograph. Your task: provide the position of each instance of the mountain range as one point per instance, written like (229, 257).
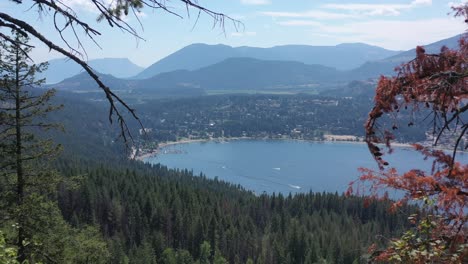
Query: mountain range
(199, 67)
(341, 57)
(60, 69)
(230, 74)
(386, 66)
(84, 84)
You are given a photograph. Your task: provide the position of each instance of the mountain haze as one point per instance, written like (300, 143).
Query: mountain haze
(60, 69)
(196, 56)
(84, 84)
(254, 74)
(245, 73)
(230, 74)
(386, 66)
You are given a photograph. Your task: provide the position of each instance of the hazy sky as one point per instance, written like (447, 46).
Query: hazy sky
(397, 25)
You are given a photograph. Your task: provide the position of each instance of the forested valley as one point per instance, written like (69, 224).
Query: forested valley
(76, 184)
(142, 213)
(131, 212)
(111, 209)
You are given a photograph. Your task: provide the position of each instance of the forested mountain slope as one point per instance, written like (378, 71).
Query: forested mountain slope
(144, 212)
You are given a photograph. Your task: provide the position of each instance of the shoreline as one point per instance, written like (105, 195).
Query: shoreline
(145, 155)
(154, 152)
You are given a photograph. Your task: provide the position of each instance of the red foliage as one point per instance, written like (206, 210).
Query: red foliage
(447, 184)
(438, 82)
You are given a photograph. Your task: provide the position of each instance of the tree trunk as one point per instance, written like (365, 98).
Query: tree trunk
(19, 163)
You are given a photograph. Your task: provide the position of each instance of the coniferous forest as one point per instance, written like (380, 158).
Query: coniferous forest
(74, 187)
(91, 204)
(150, 214)
(109, 209)
(99, 206)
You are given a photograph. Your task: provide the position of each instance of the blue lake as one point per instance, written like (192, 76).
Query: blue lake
(283, 166)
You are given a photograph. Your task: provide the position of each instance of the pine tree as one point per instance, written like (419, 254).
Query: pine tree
(27, 184)
(205, 253)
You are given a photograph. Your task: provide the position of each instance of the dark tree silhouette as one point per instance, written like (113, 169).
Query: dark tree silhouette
(23, 179)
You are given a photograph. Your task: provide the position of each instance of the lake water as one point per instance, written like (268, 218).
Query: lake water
(282, 166)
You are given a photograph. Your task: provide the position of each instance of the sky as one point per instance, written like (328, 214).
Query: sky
(395, 25)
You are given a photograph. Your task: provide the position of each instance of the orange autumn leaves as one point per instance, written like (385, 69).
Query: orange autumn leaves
(437, 83)
(447, 184)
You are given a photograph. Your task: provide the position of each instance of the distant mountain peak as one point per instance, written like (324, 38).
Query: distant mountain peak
(60, 69)
(216, 67)
(198, 55)
(387, 65)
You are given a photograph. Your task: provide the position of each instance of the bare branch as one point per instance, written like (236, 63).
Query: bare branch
(112, 98)
(114, 17)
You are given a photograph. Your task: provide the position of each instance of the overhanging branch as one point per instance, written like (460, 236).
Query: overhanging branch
(112, 98)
